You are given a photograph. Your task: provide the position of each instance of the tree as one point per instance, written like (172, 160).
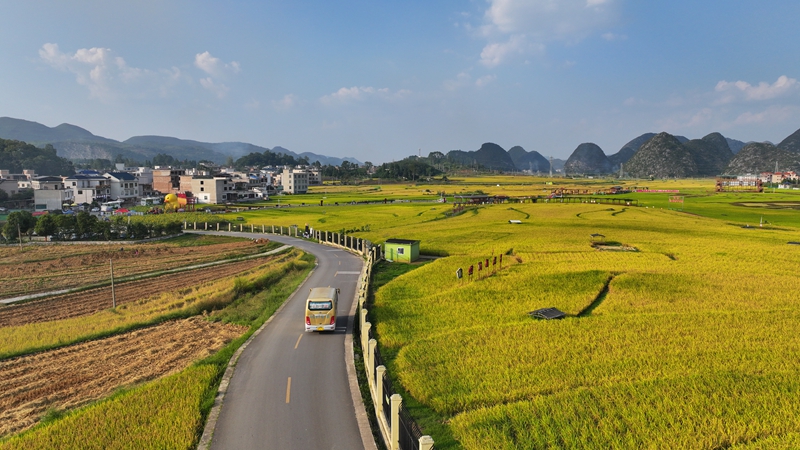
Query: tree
(67, 226)
(18, 222)
(46, 226)
(84, 224)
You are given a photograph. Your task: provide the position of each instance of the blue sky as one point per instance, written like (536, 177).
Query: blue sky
(380, 81)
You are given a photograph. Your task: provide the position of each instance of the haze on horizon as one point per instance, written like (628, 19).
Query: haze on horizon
(379, 81)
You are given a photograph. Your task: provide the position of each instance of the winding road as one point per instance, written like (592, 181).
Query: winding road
(292, 389)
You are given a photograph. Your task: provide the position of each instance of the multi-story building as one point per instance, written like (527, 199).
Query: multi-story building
(88, 187)
(213, 189)
(50, 193)
(314, 176)
(123, 186)
(167, 181)
(294, 181)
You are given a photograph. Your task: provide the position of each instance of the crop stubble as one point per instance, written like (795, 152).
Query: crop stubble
(93, 300)
(47, 268)
(75, 375)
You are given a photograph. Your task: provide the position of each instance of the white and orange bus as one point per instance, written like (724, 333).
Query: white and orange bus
(321, 309)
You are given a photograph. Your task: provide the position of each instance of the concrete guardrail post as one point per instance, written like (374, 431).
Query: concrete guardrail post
(365, 340)
(379, 390)
(425, 443)
(394, 426)
(262, 229)
(184, 225)
(363, 319)
(194, 227)
(371, 367)
(229, 226)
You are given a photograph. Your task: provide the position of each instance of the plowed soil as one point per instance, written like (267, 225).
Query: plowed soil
(72, 376)
(54, 267)
(93, 300)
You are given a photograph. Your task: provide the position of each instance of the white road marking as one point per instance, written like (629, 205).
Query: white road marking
(288, 389)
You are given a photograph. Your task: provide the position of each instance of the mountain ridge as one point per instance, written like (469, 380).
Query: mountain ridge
(76, 143)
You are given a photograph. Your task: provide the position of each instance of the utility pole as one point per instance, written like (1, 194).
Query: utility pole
(19, 235)
(774, 176)
(551, 167)
(113, 295)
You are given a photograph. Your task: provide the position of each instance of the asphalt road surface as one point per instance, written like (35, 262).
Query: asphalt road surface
(290, 388)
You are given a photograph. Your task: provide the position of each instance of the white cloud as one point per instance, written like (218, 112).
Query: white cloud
(463, 79)
(288, 101)
(484, 80)
(613, 37)
(220, 90)
(109, 77)
(498, 52)
(771, 114)
(355, 93)
(525, 26)
(213, 66)
(741, 90)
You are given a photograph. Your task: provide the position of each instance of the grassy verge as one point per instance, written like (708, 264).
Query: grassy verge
(169, 413)
(431, 423)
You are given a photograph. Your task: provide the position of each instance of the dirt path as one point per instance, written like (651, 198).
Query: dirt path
(93, 300)
(78, 374)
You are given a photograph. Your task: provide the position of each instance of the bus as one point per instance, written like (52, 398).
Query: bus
(321, 309)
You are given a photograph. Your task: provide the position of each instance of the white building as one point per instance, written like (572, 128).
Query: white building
(213, 190)
(294, 181)
(50, 193)
(124, 186)
(88, 187)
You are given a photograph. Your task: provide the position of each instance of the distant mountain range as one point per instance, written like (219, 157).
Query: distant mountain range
(649, 155)
(75, 143)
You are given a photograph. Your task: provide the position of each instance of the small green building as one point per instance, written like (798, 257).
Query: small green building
(401, 250)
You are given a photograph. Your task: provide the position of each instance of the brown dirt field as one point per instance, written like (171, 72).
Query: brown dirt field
(92, 300)
(55, 267)
(75, 375)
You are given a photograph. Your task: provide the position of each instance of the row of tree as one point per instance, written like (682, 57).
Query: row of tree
(82, 226)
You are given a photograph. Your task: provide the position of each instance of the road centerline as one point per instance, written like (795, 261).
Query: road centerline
(288, 389)
(298, 342)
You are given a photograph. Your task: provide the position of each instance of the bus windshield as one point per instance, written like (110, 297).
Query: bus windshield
(324, 305)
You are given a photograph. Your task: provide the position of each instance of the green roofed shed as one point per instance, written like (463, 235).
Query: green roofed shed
(401, 250)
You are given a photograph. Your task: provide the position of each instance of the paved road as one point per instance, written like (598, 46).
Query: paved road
(290, 389)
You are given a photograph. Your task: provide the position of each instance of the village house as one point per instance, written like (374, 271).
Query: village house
(50, 193)
(123, 186)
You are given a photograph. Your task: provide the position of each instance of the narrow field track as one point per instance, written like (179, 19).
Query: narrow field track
(90, 301)
(78, 374)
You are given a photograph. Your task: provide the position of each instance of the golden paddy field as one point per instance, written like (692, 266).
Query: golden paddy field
(691, 341)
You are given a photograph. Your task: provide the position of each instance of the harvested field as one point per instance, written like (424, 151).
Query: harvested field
(75, 375)
(53, 267)
(90, 301)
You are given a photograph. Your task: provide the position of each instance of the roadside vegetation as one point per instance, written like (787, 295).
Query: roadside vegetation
(148, 410)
